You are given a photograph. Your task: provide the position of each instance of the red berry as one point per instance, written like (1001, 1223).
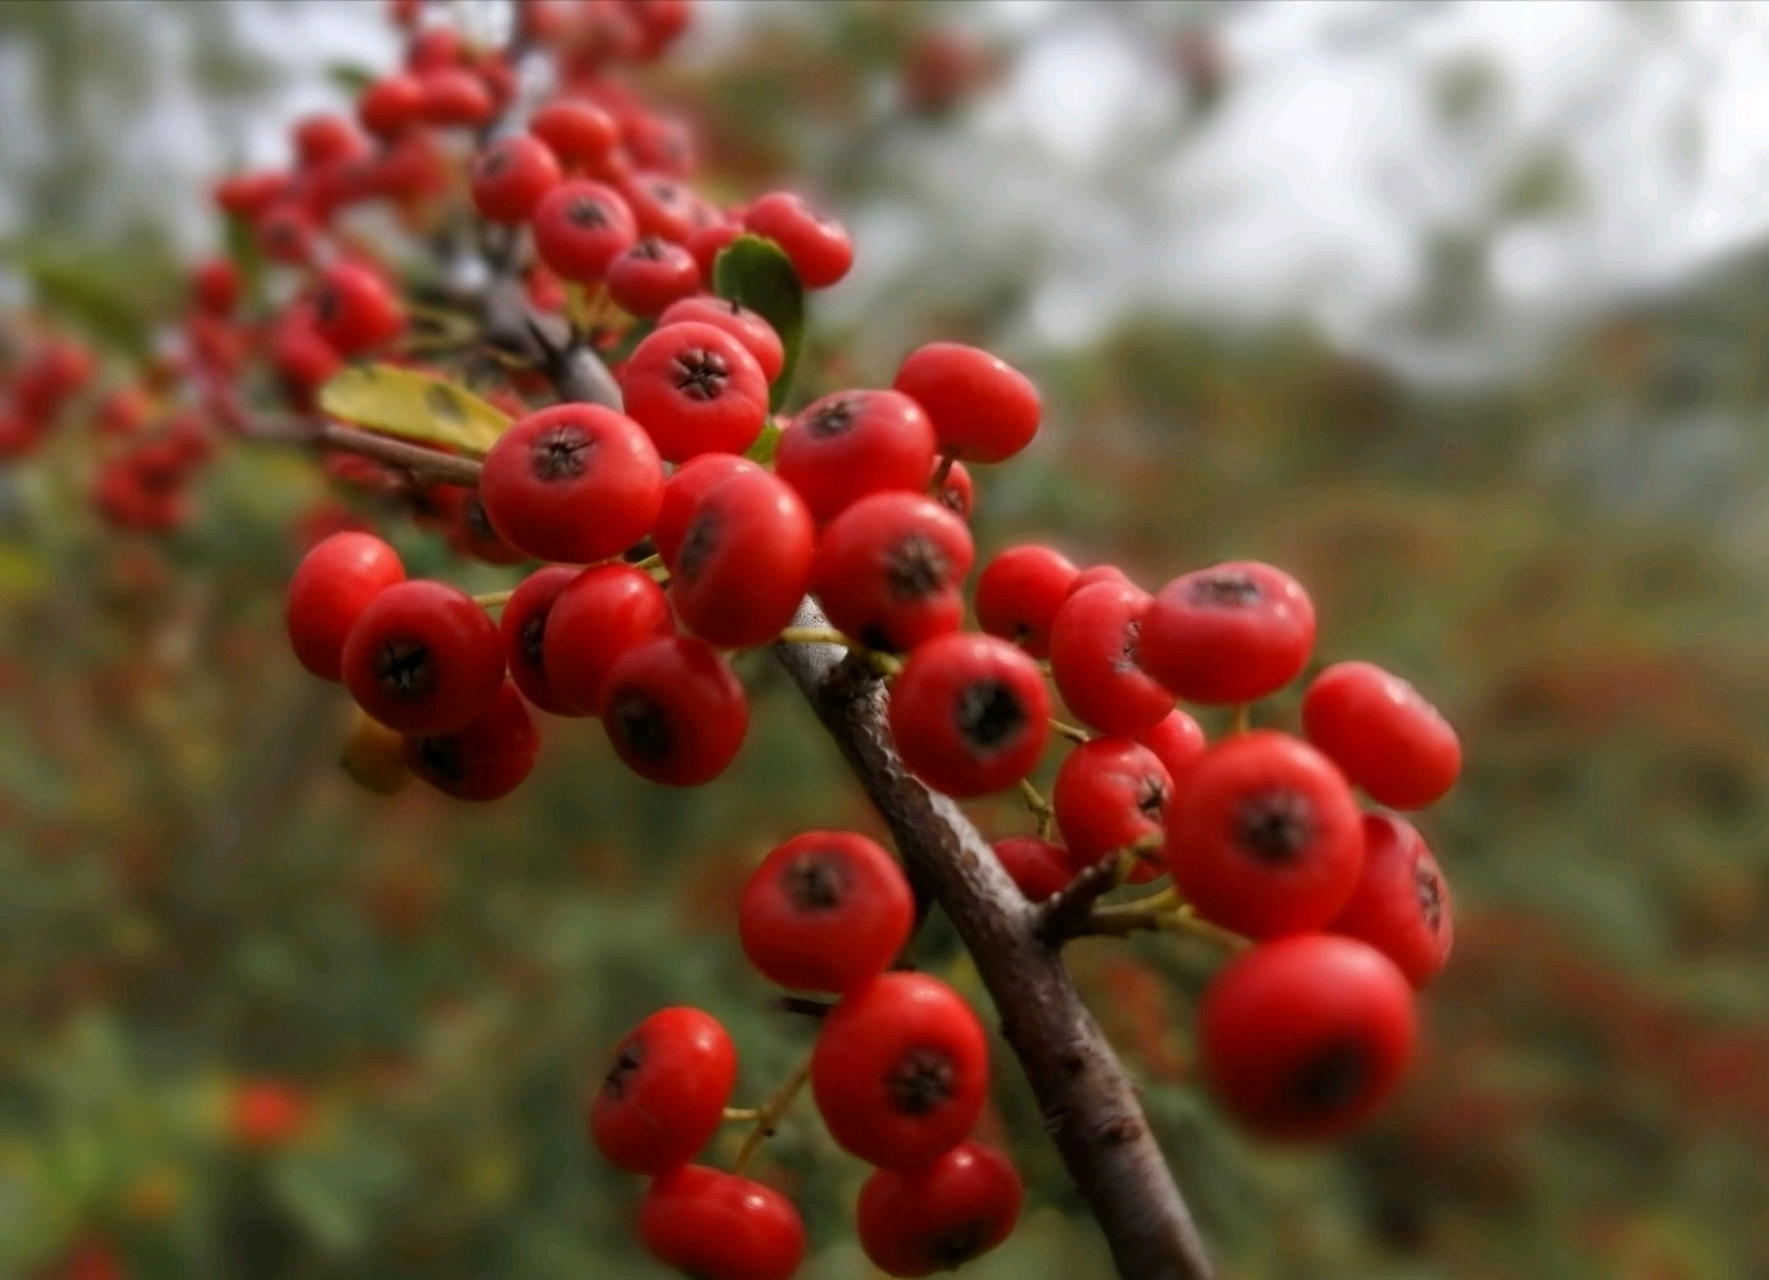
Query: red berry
(1039, 868)
(392, 104)
(1095, 639)
(579, 133)
(285, 233)
(1229, 634)
(942, 1215)
(1109, 794)
(651, 275)
(695, 389)
(576, 483)
(326, 139)
(268, 1113)
(216, 284)
(335, 582)
(580, 227)
(674, 711)
(748, 327)
(720, 1226)
(356, 309)
(511, 177)
(818, 247)
(1263, 835)
(1019, 593)
(246, 195)
(1177, 741)
(663, 206)
(890, 570)
(484, 760)
(708, 242)
(1401, 905)
(455, 97)
(434, 48)
(826, 911)
(1302, 1039)
(744, 562)
(1098, 573)
(969, 714)
(524, 626)
(664, 1097)
(468, 529)
(1388, 739)
(901, 1070)
(683, 492)
(955, 492)
(982, 408)
(854, 443)
(602, 613)
(424, 658)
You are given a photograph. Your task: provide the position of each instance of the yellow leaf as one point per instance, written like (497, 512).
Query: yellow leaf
(413, 406)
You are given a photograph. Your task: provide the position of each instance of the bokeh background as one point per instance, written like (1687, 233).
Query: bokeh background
(1457, 311)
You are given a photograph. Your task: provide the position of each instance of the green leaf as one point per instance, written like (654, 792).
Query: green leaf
(242, 248)
(763, 449)
(756, 273)
(350, 77)
(413, 406)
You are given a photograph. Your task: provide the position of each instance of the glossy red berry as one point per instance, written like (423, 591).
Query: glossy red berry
(1098, 573)
(890, 570)
(335, 582)
(424, 658)
(1109, 794)
(663, 206)
(1095, 639)
(744, 562)
(392, 105)
(956, 492)
(247, 195)
(818, 247)
(708, 242)
(434, 48)
(484, 760)
(940, 1216)
(982, 408)
(524, 627)
(747, 326)
(1302, 1039)
(580, 227)
(286, 233)
(579, 133)
(695, 389)
(854, 443)
(1383, 734)
(1401, 905)
(683, 492)
(326, 139)
(356, 309)
(456, 98)
(1039, 868)
(1228, 634)
(664, 1096)
(674, 711)
(597, 617)
(901, 1070)
(720, 1226)
(469, 530)
(511, 177)
(576, 483)
(651, 275)
(1263, 835)
(1177, 741)
(826, 911)
(969, 714)
(1019, 593)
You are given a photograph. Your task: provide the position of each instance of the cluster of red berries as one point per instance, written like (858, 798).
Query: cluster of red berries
(899, 1074)
(44, 379)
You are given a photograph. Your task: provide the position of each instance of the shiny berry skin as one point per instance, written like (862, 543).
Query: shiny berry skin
(674, 711)
(1177, 741)
(326, 139)
(956, 492)
(575, 483)
(285, 233)
(511, 177)
(1019, 593)
(469, 530)
(849, 445)
(942, 1215)
(651, 275)
(579, 133)
(695, 389)
(599, 615)
(1229, 634)
(901, 1070)
(744, 561)
(434, 48)
(720, 1226)
(246, 195)
(708, 242)
(1098, 573)
(684, 491)
(391, 105)
(663, 206)
(580, 227)
(983, 409)
(1095, 639)
(1383, 734)
(1401, 905)
(356, 309)
(524, 627)
(826, 911)
(665, 1093)
(335, 582)
(1109, 794)
(456, 98)
(1039, 868)
(748, 327)
(1263, 836)
(969, 714)
(818, 247)
(890, 570)
(1302, 1039)
(484, 760)
(424, 658)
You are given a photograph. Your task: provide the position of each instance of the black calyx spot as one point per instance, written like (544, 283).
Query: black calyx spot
(990, 715)
(327, 305)
(1124, 661)
(560, 453)
(921, 1082)
(533, 638)
(1151, 797)
(834, 419)
(915, 568)
(1225, 591)
(650, 249)
(495, 162)
(477, 522)
(403, 668)
(1275, 826)
(957, 1245)
(698, 544)
(817, 881)
(625, 1066)
(701, 374)
(441, 758)
(586, 212)
(1333, 1079)
(643, 723)
(1428, 885)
